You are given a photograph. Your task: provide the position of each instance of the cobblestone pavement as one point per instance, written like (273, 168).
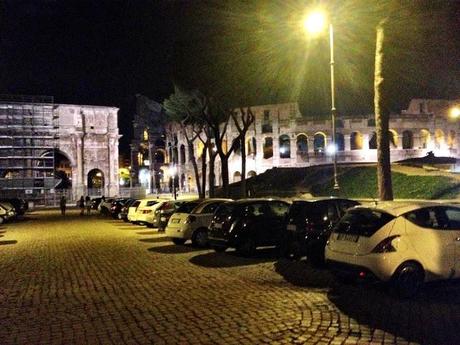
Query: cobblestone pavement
(93, 280)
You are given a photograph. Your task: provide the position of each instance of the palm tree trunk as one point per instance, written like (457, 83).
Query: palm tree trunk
(382, 119)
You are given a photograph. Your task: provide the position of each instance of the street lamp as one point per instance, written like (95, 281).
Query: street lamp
(454, 112)
(314, 23)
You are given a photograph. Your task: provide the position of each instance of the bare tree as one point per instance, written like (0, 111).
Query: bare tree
(382, 118)
(247, 118)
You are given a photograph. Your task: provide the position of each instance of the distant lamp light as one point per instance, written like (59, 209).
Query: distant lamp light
(99, 174)
(172, 171)
(283, 150)
(146, 162)
(122, 182)
(331, 149)
(454, 112)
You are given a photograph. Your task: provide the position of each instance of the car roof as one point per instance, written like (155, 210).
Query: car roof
(247, 201)
(399, 208)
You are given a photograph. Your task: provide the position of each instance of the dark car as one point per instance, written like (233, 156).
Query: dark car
(116, 206)
(247, 224)
(95, 202)
(165, 211)
(20, 205)
(309, 225)
(123, 214)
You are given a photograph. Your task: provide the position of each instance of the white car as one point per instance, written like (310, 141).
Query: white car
(146, 210)
(191, 221)
(7, 211)
(132, 211)
(403, 244)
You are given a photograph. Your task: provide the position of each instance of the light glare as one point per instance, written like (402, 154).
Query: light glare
(315, 22)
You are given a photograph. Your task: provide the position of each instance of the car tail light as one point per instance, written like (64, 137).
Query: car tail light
(190, 219)
(385, 246)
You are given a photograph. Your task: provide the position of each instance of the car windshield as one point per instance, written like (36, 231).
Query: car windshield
(362, 222)
(188, 206)
(225, 210)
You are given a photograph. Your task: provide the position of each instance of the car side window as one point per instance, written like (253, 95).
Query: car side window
(453, 214)
(279, 209)
(430, 217)
(345, 205)
(210, 208)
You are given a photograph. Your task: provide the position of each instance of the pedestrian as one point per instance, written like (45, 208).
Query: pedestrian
(81, 204)
(88, 205)
(62, 204)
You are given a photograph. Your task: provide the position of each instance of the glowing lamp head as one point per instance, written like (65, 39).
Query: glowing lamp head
(331, 149)
(172, 171)
(314, 23)
(454, 112)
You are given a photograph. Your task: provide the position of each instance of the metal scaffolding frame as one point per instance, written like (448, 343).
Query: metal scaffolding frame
(29, 138)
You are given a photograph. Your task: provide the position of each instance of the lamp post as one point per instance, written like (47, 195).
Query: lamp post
(172, 173)
(314, 24)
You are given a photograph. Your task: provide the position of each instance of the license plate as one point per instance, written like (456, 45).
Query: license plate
(291, 227)
(348, 237)
(218, 226)
(175, 220)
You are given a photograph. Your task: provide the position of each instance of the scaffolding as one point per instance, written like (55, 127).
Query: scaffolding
(29, 133)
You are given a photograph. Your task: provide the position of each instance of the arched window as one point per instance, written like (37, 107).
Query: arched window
(373, 141)
(145, 135)
(159, 156)
(236, 176)
(285, 146)
(182, 154)
(302, 147)
(407, 140)
(95, 179)
(339, 142)
(424, 138)
(175, 155)
(356, 141)
(251, 146)
(251, 173)
(319, 143)
(268, 148)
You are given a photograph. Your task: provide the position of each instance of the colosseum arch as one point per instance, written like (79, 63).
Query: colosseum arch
(439, 138)
(425, 138)
(356, 141)
(236, 176)
(407, 140)
(302, 147)
(452, 139)
(340, 142)
(285, 146)
(319, 143)
(268, 147)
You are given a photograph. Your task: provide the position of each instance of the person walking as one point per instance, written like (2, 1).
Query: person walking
(88, 205)
(81, 204)
(62, 204)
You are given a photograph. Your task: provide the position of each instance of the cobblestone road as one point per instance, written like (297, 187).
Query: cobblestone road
(92, 280)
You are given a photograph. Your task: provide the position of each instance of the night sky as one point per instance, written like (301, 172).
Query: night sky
(104, 52)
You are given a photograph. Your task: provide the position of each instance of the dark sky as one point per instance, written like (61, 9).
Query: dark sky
(104, 52)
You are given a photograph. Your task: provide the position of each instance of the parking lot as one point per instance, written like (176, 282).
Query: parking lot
(95, 280)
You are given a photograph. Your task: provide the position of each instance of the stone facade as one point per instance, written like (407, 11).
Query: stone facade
(281, 137)
(88, 137)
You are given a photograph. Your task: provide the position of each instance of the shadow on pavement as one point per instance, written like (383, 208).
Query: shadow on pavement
(430, 318)
(8, 242)
(149, 232)
(154, 240)
(174, 249)
(231, 259)
(302, 273)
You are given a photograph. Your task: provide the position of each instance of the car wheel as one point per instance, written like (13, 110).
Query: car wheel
(119, 216)
(178, 241)
(149, 225)
(407, 280)
(200, 238)
(2, 220)
(291, 250)
(246, 247)
(219, 249)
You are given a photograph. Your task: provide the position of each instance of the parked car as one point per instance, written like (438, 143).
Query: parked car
(247, 224)
(104, 206)
(179, 217)
(116, 206)
(132, 211)
(405, 245)
(95, 203)
(165, 211)
(193, 225)
(9, 211)
(146, 210)
(309, 226)
(123, 215)
(20, 205)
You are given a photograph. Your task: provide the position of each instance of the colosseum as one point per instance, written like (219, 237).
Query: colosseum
(281, 137)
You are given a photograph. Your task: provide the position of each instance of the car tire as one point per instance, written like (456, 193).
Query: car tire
(2, 220)
(407, 280)
(246, 247)
(291, 250)
(219, 249)
(200, 238)
(178, 241)
(149, 225)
